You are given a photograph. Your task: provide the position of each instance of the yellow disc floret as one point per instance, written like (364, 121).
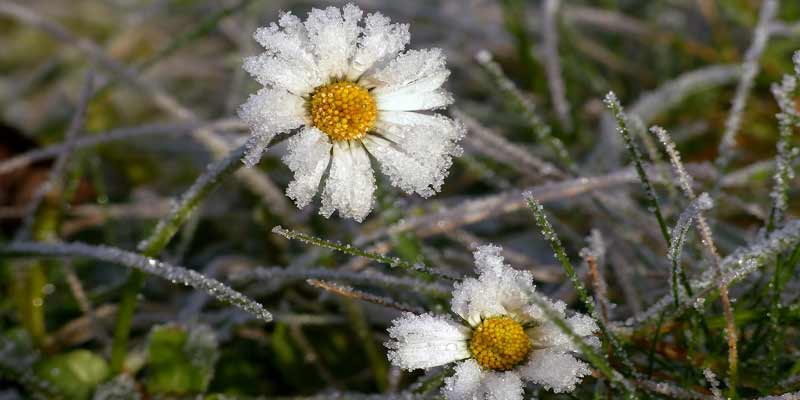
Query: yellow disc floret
(499, 343)
(343, 110)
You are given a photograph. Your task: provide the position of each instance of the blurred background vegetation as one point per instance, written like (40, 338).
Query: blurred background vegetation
(164, 68)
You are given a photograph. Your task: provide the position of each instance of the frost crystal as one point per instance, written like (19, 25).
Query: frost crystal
(365, 54)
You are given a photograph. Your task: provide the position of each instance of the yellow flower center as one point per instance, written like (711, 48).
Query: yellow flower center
(499, 343)
(343, 110)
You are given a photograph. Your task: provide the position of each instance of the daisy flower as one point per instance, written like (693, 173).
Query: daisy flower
(344, 84)
(503, 338)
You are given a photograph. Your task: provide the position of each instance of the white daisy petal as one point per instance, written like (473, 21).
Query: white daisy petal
(465, 382)
(444, 127)
(404, 171)
(549, 335)
(408, 68)
(308, 157)
(271, 70)
(502, 386)
(410, 100)
(334, 34)
(288, 62)
(350, 184)
(424, 341)
(582, 325)
(268, 112)
(381, 40)
(555, 370)
(288, 36)
(498, 290)
(537, 314)
(430, 140)
(411, 82)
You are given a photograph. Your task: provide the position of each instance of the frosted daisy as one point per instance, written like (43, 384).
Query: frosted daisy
(346, 87)
(502, 339)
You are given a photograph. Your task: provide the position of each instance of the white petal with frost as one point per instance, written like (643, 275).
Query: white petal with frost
(403, 170)
(350, 184)
(425, 341)
(549, 335)
(333, 34)
(380, 40)
(288, 62)
(502, 386)
(498, 290)
(555, 370)
(465, 382)
(430, 140)
(268, 112)
(308, 156)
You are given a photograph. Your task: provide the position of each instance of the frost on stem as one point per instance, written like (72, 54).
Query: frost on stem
(392, 262)
(788, 121)
(182, 209)
(614, 105)
(713, 382)
(525, 105)
(701, 203)
(735, 266)
(279, 276)
(684, 179)
(174, 274)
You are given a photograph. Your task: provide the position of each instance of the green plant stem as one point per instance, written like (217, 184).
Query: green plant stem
(27, 289)
(126, 307)
(165, 230)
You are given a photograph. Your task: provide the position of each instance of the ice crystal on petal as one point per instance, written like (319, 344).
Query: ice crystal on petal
(411, 67)
(288, 38)
(403, 171)
(465, 382)
(498, 290)
(269, 112)
(550, 335)
(412, 82)
(308, 157)
(424, 341)
(350, 182)
(555, 370)
(503, 386)
(381, 40)
(288, 62)
(333, 34)
(273, 71)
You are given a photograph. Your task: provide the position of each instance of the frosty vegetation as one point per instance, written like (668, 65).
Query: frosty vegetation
(318, 200)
